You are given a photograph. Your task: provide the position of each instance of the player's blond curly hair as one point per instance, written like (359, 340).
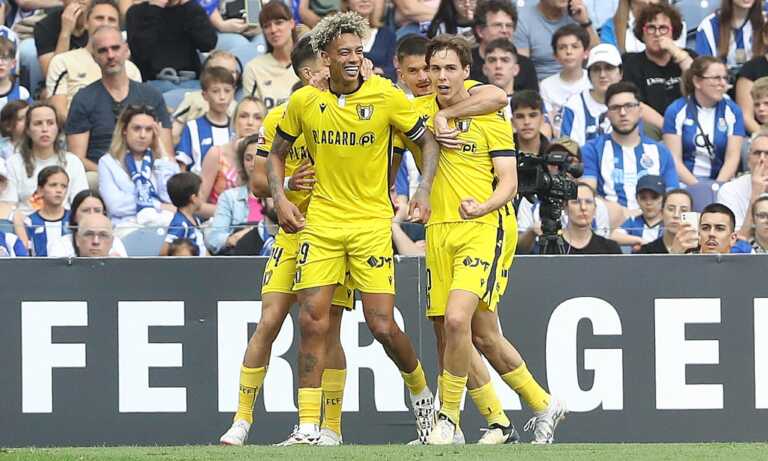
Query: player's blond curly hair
(331, 27)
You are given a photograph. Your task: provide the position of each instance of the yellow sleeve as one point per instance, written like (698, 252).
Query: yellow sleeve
(469, 84)
(398, 143)
(289, 126)
(498, 134)
(403, 115)
(267, 131)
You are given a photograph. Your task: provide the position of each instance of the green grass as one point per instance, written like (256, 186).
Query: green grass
(565, 452)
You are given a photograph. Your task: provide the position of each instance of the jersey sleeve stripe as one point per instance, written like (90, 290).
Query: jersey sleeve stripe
(503, 153)
(398, 150)
(262, 153)
(417, 131)
(284, 135)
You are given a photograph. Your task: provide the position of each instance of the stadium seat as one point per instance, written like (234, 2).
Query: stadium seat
(144, 242)
(693, 12)
(703, 194)
(6, 226)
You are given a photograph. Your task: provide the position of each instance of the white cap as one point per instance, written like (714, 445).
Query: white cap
(604, 52)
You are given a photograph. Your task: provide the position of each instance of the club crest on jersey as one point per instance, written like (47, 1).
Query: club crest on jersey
(364, 111)
(322, 107)
(463, 125)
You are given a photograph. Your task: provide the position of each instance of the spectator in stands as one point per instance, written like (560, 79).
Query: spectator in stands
(619, 30)
(579, 237)
(743, 19)
(12, 118)
(379, 47)
(614, 162)
(741, 194)
(11, 246)
(704, 129)
(94, 236)
(494, 20)
(675, 203)
(312, 11)
(95, 108)
(453, 17)
(194, 105)
(759, 94)
(411, 65)
(40, 229)
(528, 122)
(184, 190)
(647, 226)
(501, 67)
(413, 17)
(72, 70)
(270, 77)
(657, 71)
(754, 69)
(537, 25)
(132, 178)
(40, 147)
(61, 30)
(166, 37)
(213, 128)
(715, 235)
(85, 203)
(759, 241)
(232, 32)
(183, 247)
(10, 89)
(569, 45)
(584, 114)
(221, 168)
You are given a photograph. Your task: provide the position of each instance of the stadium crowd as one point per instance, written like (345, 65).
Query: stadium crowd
(147, 114)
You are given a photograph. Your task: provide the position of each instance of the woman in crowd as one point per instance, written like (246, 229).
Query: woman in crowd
(220, 167)
(759, 240)
(132, 178)
(579, 237)
(704, 129)
(240, 213)
(379, 47)
(12, 126)
(453, 17)
(619, 30)
(85, 203)
(46, 225)
(40, 146)
(743, 19)
(752, 71)
(676, 202)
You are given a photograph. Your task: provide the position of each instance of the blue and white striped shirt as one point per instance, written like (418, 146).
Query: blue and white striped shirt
(42, 232)
(708, 36)
(584, 118)
(198, 136)
(11, 246)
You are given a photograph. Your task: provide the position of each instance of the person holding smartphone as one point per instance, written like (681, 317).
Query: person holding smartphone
(715, 233)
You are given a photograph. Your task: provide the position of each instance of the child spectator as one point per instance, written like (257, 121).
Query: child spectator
(212, 129)
(569, 45)
(11, 246)
(12, 118)
(528, 122)
(40, 147)
(85, 203)
(132, 177)
(184, 190)
(10, 89)
(647, 226)
(183, 247)
(46, 225)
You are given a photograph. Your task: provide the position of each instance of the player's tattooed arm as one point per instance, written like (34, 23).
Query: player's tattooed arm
(419, 208)
(289, 216)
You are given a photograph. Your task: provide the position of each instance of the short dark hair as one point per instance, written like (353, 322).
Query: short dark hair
(96, 3)
(494, 6)
(8, 116)
(650, 12)
(302, 53)
(502, 44)
(525, 99)
(181, 188)
(457, 44)
(180, 243)
(677, 192)
(216, 74)
(47, 172)
(722, 209)
(621, 87)
(272, 10)
(411, 45)
(568, 30)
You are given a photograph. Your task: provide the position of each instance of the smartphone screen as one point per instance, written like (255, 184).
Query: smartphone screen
(252, 11)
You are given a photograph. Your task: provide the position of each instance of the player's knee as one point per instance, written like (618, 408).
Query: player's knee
(313, 322)
(456, 324)
(384, 331)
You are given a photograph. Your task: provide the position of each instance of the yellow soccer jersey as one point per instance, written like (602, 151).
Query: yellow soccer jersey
(296, 156)
(350, 139)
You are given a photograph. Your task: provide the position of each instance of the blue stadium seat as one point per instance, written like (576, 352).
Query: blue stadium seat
(702, 194)
(693, 13)
(144, 242)
(6, 226)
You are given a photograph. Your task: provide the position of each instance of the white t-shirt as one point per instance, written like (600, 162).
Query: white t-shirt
(736, 195)
(555, 92)
(63, 248)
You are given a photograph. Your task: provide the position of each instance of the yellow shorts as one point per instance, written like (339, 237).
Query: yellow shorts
(463, 256)
(280, 272)
(510, 245)
(327, 255)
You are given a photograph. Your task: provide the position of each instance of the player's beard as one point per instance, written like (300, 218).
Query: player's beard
(625, 132)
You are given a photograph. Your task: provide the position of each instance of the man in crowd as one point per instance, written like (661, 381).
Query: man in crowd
(716, 233)
(497, 19)
(94, 236)
(501, 67)
(94, 109)
(61, 30)
(528, 121)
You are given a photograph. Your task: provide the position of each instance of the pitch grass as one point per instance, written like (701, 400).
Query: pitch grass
(558, 452)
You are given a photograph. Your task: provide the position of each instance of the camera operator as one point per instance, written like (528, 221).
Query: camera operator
(528, 219)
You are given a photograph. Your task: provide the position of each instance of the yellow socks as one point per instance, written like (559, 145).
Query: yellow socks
(415, 380)
(488, 403)
(251, 380)
(453, 389)
(521, 380)
(310, 402)
(333, 395)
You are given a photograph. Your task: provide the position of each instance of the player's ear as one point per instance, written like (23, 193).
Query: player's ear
(466, 72)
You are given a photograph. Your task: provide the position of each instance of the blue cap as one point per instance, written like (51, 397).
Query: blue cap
(651, 182)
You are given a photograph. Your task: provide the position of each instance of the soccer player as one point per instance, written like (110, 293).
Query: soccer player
(466, 247)
(413, 72)
(347, 228)
(277, 292)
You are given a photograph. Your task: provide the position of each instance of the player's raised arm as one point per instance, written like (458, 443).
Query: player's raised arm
(483, 99)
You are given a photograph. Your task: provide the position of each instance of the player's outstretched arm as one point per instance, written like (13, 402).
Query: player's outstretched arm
(506, 188)
(419, 208)
(289, 216)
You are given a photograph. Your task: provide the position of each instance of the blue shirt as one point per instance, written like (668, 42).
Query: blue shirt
(696, 125)
(638, 227)
(43, 232)
(616, 169)
(11, 246)
(181, 227)
(708, 37)
(198, 136)
(584, 118)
